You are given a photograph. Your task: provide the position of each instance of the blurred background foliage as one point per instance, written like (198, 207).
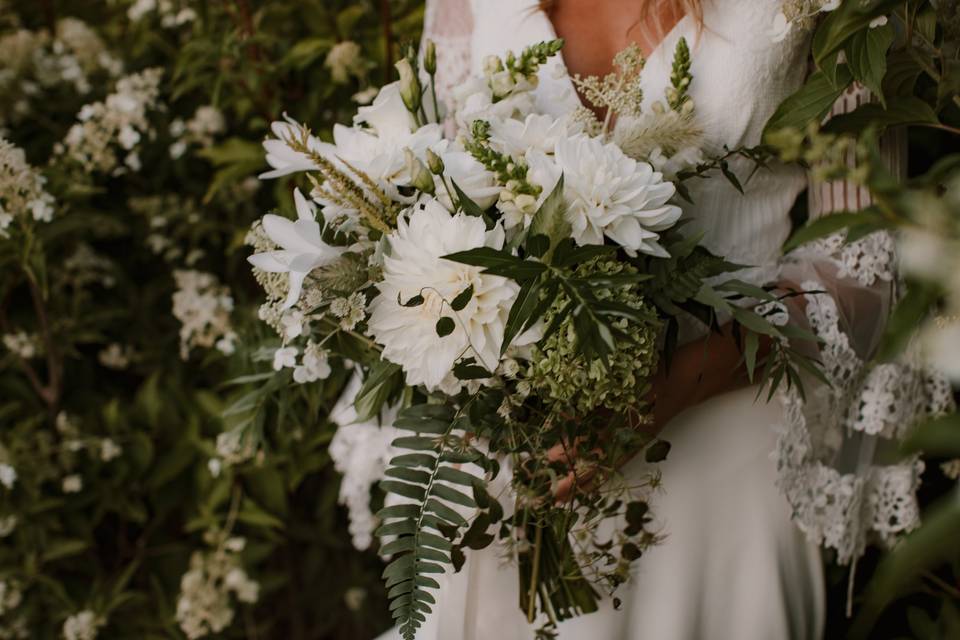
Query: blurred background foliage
(149, 488)
(130, 506)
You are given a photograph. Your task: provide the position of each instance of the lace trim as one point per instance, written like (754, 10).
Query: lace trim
(867, 260)
(846, 511)
(449, 24)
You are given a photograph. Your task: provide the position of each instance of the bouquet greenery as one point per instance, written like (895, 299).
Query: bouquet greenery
(506, 294)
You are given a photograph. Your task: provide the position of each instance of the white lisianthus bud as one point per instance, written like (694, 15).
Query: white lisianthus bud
(409, 85)
(430, 57)
(420, 177)
(435, 163)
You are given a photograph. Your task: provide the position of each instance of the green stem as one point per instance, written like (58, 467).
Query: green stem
(535, 574)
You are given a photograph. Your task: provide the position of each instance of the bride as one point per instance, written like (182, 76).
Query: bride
(743, 473)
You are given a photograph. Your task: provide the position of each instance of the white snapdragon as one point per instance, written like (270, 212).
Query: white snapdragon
(285, 358)
(414, 266)
(203, 307)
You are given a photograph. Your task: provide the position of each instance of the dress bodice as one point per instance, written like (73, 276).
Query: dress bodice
(740, 75)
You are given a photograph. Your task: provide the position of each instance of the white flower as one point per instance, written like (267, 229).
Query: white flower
(350, 310)
(365, 96)
(21, 344)
(7, 525)
(940, 346)
(285, 358)
(215, 466)
(115, 356)
(383, 131)
(609, 194)
(413, 267)
(109, 450)
(292, 323)
(344, 60)
(284, 159)
(72, 484)
(8, 475)
(314, 365)
(479, 184)
(879, 21)
(128, 137)
(81, 626)
(537, 131)
(302, 248)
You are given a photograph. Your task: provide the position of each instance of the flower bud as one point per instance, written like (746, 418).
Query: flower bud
(420, 177)
(409, 85)
(435, 163)
(491, 65)
(430, 57)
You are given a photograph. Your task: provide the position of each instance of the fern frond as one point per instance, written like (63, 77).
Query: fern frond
(422, 530)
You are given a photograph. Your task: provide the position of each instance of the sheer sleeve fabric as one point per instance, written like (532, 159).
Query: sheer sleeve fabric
(449, 24)
(836, 454)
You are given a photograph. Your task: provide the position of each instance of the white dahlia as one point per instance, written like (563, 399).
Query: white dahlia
(538, 131)
(413, 266)
(301, 248)
(608, 194)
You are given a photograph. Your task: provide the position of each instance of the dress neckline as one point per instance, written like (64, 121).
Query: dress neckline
(656, 53)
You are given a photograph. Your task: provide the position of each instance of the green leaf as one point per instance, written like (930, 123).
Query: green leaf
(828, 225)
(445, 326)
(497, 262)
(383, 380)
(657, 451)
(550, 220)
(467, 205)
(900, 111)
(751, 344)
(521, 313)
(425, 418)
(939, 437)
(462, 299)
(867, 56)
(811, 103)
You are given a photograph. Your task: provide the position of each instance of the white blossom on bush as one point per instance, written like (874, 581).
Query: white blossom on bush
(115, 356)
(205, 605)
(203, 307)
(72, 484)
(21, 344)
(83, 625)
(345, 60)
(8, 524)
(120, 121)
(22, 193)
(8, 475)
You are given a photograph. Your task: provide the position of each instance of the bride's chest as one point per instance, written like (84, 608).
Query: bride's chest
(740, 74)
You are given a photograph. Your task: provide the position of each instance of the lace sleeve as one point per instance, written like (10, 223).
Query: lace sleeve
(449, 23)
(837, 459)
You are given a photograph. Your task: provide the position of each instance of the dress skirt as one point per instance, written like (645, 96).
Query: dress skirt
(732, 565)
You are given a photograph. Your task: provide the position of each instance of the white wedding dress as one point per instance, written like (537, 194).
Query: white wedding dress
(745, 479)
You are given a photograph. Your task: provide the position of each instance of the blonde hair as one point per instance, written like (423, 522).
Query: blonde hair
(692, 8)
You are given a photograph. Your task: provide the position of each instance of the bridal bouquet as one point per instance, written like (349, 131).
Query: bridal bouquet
(506, 282)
